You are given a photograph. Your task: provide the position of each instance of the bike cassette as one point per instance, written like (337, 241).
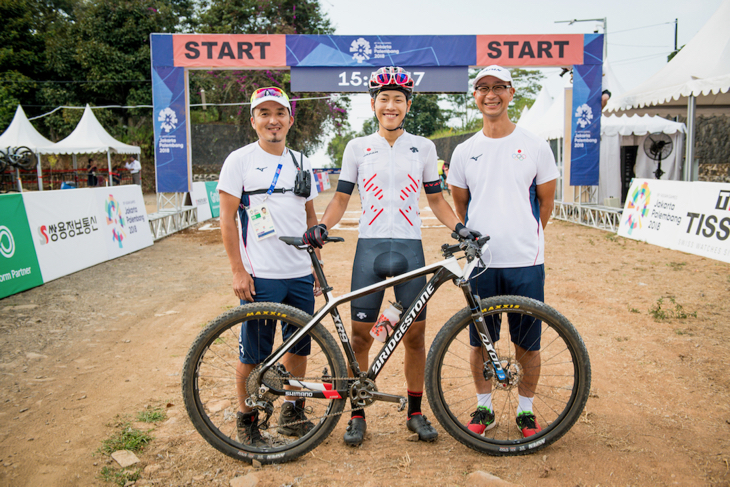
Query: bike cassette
(257, 386)
(361, 392)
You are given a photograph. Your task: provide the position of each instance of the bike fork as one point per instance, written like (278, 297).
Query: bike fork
(477, 318)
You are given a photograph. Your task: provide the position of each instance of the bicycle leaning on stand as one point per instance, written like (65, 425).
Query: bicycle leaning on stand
(209, 375)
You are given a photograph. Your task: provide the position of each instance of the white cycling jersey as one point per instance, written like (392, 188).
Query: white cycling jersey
(389, 181)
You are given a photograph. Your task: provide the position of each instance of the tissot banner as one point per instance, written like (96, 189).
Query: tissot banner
(68, 230)
(586, 123)
(171, 140)
(19, 269)
(360, 51)
(123, 219)
(199, 198)
(211, 187)
(693, 217)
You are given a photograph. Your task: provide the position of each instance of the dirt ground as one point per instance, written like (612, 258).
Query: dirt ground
(83, 351)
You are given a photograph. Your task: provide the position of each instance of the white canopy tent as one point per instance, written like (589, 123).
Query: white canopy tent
(633, 131)
(537, 110)
(21, 133)
(697, 80)
(89, 137)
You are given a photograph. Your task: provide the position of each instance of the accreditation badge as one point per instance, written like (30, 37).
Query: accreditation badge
(263, 224)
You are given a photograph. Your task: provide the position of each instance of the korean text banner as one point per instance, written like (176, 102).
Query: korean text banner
(693, 217)
(229, 50)
(123, 219)
(19, 269)
(530, 50)
(67, 230)
(586, 120)
(199, 198)
(171, 142)
(336, 51)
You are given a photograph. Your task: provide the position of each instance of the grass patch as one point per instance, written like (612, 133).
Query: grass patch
(151, 415)
(674, 310)
(677, 266)
(634, 310)
(128, 438)
(119, 476)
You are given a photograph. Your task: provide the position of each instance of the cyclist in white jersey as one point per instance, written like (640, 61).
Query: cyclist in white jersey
(389, 168)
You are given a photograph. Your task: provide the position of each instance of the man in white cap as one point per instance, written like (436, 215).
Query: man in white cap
(258, 180)
(503, 183)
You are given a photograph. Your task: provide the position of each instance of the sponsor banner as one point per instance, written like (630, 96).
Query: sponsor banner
(530, 50)
(586, 120)
(693, 217)
(19, 269)
(361, 51)
(199, 197)
(123, 219)
(68, 230)
(213, 198)
(171, 141)
(448, 79)
(323, 181)
(229, 50)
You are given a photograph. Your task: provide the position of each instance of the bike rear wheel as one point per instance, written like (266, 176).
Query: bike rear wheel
(24, 158)
(559, 397)
(210, 378)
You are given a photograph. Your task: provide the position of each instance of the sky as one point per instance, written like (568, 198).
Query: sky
(640, 32)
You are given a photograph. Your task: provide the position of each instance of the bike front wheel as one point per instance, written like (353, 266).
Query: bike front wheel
(213, 388)
(558, 375)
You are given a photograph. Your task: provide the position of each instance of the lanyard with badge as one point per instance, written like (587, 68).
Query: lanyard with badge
(260, 216)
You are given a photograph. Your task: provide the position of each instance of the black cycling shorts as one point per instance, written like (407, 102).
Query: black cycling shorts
(377, 259)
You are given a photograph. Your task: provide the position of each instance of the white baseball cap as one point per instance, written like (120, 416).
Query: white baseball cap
(497, 71)
(269, 94)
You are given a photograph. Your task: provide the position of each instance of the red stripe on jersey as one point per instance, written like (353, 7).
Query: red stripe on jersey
(379, 191)
(404, 216)
(402, 198)
(366, 182)
(371, 221)
(414, 181)
(381, 197)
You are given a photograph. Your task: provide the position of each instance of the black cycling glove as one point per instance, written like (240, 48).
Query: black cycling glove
(465, 232)
(315, 236)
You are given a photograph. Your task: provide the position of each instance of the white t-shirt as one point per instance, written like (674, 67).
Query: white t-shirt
(133, 167)
(251, 168)
(389, 181)
(501, 176)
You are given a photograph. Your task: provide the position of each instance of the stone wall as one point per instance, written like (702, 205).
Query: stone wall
(211, 145)
(445, 145)
(712, 147)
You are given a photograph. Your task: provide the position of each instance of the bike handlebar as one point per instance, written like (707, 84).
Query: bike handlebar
(298, 242)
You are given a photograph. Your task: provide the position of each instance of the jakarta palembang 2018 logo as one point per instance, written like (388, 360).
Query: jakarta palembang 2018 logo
(638, 206)
(168, 118)
(114, 217)
(361, 50)
(584, 115)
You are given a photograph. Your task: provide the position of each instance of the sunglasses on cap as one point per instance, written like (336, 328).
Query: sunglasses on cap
(391, 75)
(274, 92)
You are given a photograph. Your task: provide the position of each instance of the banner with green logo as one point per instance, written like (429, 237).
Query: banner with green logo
(19, 269)
(213, 198)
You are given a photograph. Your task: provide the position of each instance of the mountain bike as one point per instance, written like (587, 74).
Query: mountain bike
(20, 157)
(209, 378)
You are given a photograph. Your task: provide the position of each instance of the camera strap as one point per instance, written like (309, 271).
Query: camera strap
(276, 178)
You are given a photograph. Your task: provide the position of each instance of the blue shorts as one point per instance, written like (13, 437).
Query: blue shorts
(515, 281)
(256, 339)
(377, 259)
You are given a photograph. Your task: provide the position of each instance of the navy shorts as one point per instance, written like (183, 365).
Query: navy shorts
(515, 281)
(256, 339)
(379, 258)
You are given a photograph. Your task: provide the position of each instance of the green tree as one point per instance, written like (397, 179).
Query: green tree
(370, 126)
(263, 17)
(336, 146)
(425, 116)
(527, 86)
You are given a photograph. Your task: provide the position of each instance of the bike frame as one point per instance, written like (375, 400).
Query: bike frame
(448, 269)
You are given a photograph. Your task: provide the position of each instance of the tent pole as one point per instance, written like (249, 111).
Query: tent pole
(17, 180)
(690, 149)
(76, 168)
(109, 164)
(40, 172)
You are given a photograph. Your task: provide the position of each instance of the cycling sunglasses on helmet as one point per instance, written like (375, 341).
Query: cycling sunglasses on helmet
(271, 93)
(391, 75)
